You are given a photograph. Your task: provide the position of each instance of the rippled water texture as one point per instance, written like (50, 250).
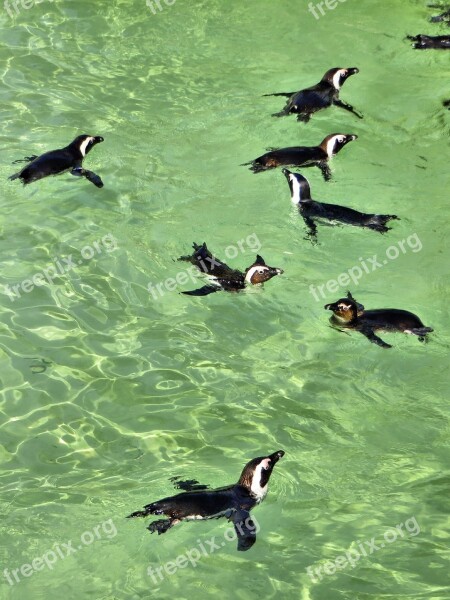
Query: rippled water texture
(108, 390)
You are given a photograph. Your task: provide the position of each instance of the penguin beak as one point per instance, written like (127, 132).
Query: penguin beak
(352, 71)
(275, 271)
(286, 173)
(275, 457)
(328, 307)
(97, 139)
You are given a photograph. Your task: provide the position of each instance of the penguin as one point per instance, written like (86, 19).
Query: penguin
(349, 314)
(225, 278)
(446, 103)
(303, 156)
(426, 42)
(311, 209)
(317, 97)
(444, 16)
(59, 161)
(233, 502)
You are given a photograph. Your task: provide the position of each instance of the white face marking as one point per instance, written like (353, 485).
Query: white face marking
(253, 270)
(84, 145)
(344, 306)
(296, 189)
(256, 489)
(332, 143)
(337, 78)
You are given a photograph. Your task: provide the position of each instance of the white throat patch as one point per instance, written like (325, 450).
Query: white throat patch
(332, 142)
(84, 145)
(296, 190)
(337, 78)
(251, 272)
(256, 489)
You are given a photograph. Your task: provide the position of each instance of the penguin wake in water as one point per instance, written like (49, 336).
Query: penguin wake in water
(427, 42)
(225, 278)
(233, 502)
(312, 210)
(303, 156)
(59, 161)
(317, 97)
(349, 314)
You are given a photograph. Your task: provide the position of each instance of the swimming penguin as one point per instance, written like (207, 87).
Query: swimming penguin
(303, 156)
(426, 42)
(225, 278)
(446, 103)
(233, 502)
(312, 210)
(322, 95)
(445, 16)
(59, 161)
(347, 313)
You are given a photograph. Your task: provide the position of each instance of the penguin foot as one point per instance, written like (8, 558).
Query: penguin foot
(160, 526)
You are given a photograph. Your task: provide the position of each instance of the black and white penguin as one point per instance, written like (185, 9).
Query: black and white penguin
(317, 97)
(225, 278)
(311, 210)
(427, 42)
(233, 502)
(347, 313)
(59, 161)
(303, 156)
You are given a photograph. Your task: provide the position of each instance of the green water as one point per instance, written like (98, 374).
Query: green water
(141, 389)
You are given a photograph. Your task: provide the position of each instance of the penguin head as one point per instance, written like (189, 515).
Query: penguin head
(84, 143)
(338, 76)
(334, 143)
(259, 272)
(256, 474)
(298, 185)
(346, 310)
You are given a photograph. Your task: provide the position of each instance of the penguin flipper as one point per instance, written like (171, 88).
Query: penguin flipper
(245, 529)
(90, 176)
(348, 107)
(372, 337)
(188, 485)
(325, 169)
(287, 94)
(203, 291)
(25, 159)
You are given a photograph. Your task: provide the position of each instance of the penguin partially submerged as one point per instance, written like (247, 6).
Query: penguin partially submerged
(59, 161)
(427, 42)
(233, 502)
(311, 210)
(225, 278)
(317, 97)
(303, 156)
(349, 314)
